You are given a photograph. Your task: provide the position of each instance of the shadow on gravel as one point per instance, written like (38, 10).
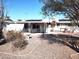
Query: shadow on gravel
(51, 38)
(67, 40)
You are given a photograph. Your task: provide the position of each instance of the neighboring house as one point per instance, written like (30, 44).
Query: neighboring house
(67, 25)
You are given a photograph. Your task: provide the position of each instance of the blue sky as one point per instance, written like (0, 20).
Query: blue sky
(24, 9)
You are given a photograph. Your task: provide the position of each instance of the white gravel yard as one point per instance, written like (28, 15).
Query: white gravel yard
(37, 49)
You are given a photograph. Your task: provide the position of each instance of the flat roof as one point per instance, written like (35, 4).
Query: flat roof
(64, 22)
(37, 21)
(34, 20)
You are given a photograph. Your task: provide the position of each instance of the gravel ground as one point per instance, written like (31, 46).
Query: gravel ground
(37, 49)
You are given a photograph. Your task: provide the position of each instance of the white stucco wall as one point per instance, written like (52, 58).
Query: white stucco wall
(48, 29)
(15, 27)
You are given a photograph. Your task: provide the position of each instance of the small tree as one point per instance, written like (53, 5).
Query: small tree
(53, 23)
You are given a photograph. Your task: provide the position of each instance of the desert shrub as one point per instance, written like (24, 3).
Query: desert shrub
(65, 42)
(75, 43)
(21, 44)
(72, 43)
(17, 39)
(10, 36)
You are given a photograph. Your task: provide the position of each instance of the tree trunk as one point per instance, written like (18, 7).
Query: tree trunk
(1, 34)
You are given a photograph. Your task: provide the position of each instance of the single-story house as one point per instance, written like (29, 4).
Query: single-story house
(37, 26)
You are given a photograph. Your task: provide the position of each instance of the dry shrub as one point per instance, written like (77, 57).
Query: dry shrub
(17, 39)
(21, 44)
(10, 36)
(73, 43)
(65, 42)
